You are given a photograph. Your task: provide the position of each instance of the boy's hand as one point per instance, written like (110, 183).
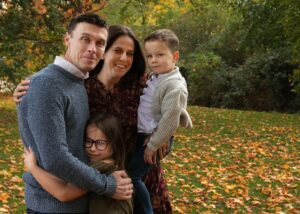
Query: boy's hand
(29, 159)
(163, 151)
(150, 156)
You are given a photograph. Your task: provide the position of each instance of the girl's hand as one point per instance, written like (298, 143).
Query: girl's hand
(21, 90)
(29, 159)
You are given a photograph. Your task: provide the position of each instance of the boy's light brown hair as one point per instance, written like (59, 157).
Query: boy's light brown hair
(164, 35)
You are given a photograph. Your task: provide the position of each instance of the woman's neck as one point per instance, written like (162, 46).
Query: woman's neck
(107, 80)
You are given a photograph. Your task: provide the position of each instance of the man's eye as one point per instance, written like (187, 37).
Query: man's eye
(100, 44)
(86, 39)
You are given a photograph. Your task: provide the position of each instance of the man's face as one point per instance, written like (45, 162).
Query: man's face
(85, 46)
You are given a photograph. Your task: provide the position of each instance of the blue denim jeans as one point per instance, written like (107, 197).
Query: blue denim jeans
(137, 169)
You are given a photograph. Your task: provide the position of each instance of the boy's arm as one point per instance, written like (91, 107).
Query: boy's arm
(173, 103)
(58, 188)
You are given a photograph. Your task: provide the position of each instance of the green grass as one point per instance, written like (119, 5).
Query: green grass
(230, 162)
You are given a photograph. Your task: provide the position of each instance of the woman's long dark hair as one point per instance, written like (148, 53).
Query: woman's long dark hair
(138, 67)
(111, 127)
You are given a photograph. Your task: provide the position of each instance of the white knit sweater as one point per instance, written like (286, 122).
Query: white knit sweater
(169, 108)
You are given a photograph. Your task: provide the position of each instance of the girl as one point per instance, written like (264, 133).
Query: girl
(105, 147)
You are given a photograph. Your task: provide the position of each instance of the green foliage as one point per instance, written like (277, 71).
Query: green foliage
(262, 83)
(31, 34)
(272, 24)
(205, 79)
(231, 44)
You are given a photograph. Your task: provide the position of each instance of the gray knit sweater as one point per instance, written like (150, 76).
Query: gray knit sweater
(169, 108)
(52, 118)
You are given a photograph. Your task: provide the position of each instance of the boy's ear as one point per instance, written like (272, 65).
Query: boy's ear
(176, 55)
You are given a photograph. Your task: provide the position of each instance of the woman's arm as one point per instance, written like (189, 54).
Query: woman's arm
(21, 90)
(58, 188)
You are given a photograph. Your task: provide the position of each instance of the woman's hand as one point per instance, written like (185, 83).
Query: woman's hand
(29, 159)
(21, 90)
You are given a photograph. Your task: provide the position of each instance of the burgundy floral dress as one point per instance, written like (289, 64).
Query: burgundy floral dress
(123, 103)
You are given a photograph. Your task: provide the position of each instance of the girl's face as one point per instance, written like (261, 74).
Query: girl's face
(119, 57)
(97, 145)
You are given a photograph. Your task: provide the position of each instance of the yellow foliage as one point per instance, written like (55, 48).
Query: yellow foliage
(8, 62)
(30, 65)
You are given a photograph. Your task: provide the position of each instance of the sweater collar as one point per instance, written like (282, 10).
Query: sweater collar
(161, 76)
(68, 66)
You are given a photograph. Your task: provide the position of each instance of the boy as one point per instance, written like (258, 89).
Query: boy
(162, 108)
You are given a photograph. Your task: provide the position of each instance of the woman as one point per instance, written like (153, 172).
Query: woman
(115, 86)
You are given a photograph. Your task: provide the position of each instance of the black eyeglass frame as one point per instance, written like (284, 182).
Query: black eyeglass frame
(101, 145)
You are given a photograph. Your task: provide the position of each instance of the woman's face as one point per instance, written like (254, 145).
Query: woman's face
(97, 145)
(119, 57)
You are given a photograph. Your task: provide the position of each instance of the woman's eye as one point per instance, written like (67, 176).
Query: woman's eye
(130, 54)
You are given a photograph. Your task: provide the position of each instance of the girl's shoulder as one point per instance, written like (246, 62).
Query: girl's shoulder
(105, 166)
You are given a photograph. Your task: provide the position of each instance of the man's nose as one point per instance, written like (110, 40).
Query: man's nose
(92, 47)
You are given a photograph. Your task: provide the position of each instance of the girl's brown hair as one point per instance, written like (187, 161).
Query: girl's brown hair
(110, 126)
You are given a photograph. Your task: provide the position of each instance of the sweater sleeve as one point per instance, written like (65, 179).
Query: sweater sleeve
(172, 105)
(45, 115)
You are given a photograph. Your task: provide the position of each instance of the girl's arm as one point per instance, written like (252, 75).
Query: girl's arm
(58, 188)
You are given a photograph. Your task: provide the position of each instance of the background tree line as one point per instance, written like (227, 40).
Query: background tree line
(234, 53)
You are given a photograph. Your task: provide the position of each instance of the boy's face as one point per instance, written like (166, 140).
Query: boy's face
(159, 57)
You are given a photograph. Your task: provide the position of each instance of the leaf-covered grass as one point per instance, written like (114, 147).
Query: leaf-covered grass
(230, 162)
(11, 161)
(236, 162)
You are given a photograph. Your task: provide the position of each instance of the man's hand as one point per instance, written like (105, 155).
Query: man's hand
(149, 156)
(124, 188)
(20, 90)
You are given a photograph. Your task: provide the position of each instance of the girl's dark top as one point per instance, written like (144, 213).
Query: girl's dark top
(123, 102)
(101, 203)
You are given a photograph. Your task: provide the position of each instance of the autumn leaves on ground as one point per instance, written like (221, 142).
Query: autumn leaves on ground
(230, 162)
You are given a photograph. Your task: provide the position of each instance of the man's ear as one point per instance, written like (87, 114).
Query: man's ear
(176, 55)
(67, 37)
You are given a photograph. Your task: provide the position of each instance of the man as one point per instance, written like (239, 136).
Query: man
(52, 118)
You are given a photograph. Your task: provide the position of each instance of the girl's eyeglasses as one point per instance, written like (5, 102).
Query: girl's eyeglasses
(100, 144)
